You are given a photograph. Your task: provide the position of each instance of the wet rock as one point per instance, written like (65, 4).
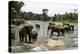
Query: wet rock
(54, 38)
(39, 49)
(55, 43)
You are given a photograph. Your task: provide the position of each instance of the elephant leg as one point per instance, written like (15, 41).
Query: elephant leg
(29, 36)
(72, 29)
(20, 36)
(25, 38)
(34, 38)
(58, 34)
(51, 34)
(63, 31)
(68, 30)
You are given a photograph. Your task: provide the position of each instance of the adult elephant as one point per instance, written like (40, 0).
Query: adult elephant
(57, 29)
(26, 32)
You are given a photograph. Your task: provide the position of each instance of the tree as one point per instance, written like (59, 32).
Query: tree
(45, 18)
(15, 5)
(45, 11)
(54, 17)
(14, 9)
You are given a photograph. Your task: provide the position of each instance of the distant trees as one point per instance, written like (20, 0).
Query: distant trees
(15, 13)
(54, 17)
(66, 17)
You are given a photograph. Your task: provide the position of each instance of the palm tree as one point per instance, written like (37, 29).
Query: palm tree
(45, 18)
(45, 11)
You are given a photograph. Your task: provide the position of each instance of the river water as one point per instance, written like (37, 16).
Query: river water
(70, 39)
(42, 35)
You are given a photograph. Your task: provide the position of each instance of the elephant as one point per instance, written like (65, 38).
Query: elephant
(72, 27)
(51, 23)
(22, 34)
(25, 32)
(35, 32)
(57, 29)
(69, 27)
(60, 29)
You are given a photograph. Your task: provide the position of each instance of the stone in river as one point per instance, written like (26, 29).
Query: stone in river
(53, 43)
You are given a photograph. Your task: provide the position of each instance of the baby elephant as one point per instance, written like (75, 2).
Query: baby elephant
(35, 33)
(69, 27)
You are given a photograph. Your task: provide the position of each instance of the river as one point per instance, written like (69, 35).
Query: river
(70, 39)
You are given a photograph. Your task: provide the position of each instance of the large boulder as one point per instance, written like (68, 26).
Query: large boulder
(55, 43)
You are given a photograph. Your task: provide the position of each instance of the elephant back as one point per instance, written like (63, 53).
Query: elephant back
(27, 28)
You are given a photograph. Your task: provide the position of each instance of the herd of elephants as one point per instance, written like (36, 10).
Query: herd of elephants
(28, 33)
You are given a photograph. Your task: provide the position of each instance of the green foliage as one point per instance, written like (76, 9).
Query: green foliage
(69, 17)
(14, 9)
(15, 13)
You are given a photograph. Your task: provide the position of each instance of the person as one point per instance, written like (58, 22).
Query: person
(35, 32)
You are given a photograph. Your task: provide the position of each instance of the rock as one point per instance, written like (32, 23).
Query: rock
(36, 49)
(39, 49)
(54, 38)
(53, 43)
